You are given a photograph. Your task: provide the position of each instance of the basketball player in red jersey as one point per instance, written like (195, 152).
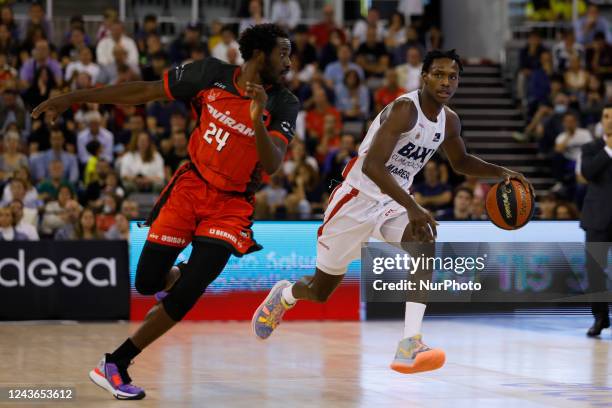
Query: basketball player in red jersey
(373, 201)
(245, 121)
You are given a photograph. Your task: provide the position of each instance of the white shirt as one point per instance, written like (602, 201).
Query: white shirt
(360, 31)
(104, 136)
(29, 230)
(572, 149)
(409, 76)
(133, 165)
(286, 13)
(104, 50)
(77, 66)
(220, 52)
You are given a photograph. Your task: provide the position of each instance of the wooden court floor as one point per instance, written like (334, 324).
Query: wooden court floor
(523, 362)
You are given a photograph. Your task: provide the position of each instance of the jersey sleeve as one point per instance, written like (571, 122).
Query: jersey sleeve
(185, 81)
(284, 115)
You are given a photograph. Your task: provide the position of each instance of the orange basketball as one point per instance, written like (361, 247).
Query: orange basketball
(510, 206)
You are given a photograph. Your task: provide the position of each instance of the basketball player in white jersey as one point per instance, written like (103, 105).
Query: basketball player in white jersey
(373, 201)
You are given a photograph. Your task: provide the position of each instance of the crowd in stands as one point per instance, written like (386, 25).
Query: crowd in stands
(75, 178)
(564, 88)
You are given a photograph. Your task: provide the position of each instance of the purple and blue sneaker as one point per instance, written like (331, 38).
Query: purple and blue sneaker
(115, 380)
(270, 313)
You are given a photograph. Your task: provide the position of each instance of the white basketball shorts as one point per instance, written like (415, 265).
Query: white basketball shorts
(351, 219)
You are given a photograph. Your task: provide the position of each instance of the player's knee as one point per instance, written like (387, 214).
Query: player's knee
(148, 285)
(177, 305)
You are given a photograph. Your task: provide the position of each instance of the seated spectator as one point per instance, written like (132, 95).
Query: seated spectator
(462, 206)
(178, 153)
(564, 50)
(301, 47)
(40, 88)
(94, 149)
(255, 16)
(322, 30)
(130, 209)
(372, 55)
(37, 19)
(106, 46)
(11, 159)
(228, 50)
(8, 74)
(149, 27)
(163, 116)
(298, 155)
(395, 34)
(53, 216)
(20, 189)
(323, 124)
(361, 27)
(479, 189)
(538, 88)
(95, 131)
(338, 158)
(389, 92)
(553, 125)
(20, 224)
(565, 211)
(155, 70)
(106, 218)
(49, 187)
(97, 183)
(334, 72)
(112, 185)
(270, 200)
(409, 74)
(70, 218)
(153, 45)
(286, 13)
(547, 206)
(412, 41)
(304, 196)
(567, 147)
(588, 26)
(71, 50)
(434, 39)
(39, 163)
(12, 111)
(599, 57)
(8, 232)
(83, 64)
(40, 58)
(86, 228)
(478, 210)
(142, 167)
(329, 52)
(353, 98)
(529, 60)
(120, 229)
(7, 17)
(432, 193)
(190, 39)
(576, 77)
(592, 101)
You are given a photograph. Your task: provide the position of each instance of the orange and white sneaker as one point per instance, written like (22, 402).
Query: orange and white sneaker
(414, 356)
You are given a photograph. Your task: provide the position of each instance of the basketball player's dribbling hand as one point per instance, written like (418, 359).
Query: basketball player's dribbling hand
(422, 225)
(258, 96)
(508, 174)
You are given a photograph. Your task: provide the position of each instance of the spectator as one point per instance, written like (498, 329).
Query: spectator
(190, 39)
(434, 39)
(8, 44)
(462, 206)
(334, 72)
(337, 159)
(178, 154)
(547, 206)
(40, 58)
(353, 98)
(553, 125)
(13, 111)
(228, 50)
(152, 45)
(412, 41)
(76, 22)
(129, 208)
(297, 156)
(70, 218)
(479, 189)
(388, 93)
(329, 52)
(286, 13)
(155, 71)
(106, 218)
(20, 224)
(49, 187)
(112, 185)
(372, 55)
(432, 193)
(361, 27)
(567, 147)
(7, 18)
(11, 159)
(599, 57)
(110, 17)
(564, 50)
(478, 210)
(592, 23)
(576, 77)
(565, 211)
(53, 216)
(85, 228)
(409, 74)
(149, 29)
(95, 184)
(18, 189)
(120, 230)
(255, 16)
(214, 33)
(105, 49)
(37, 19)
(142, 167)
(84, 64)
(304, 194)
(40, 88)
(70, 52)
(270, 200)
(322, 30)
(94, 131)
(592, 101)
(39, 163)
(8, 232)
(529, 60)
(323, 124)
(538, 88)
(305, 50)
(396, 33)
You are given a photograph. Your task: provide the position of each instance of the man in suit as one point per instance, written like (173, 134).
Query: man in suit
(597, 215)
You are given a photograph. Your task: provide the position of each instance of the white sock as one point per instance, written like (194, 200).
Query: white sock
(413, 318)
(288, 295)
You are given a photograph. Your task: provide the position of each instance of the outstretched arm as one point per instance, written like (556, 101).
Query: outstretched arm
(129, 93)
(468, 164)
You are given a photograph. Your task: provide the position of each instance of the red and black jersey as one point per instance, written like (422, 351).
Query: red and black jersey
(222, 145)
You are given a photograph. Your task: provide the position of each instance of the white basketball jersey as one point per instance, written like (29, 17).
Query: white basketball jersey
(412, 151)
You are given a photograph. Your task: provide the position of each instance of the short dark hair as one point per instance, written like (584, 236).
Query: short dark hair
(260, 37)
(608, 106)
(431, 56)
(150, 17)
(464, 188)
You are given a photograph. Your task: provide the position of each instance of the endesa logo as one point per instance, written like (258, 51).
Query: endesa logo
(44, 272)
